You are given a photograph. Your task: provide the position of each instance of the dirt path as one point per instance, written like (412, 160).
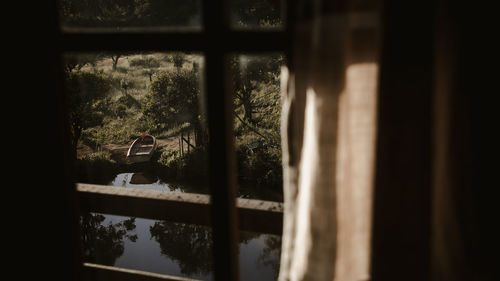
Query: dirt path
(119, 151)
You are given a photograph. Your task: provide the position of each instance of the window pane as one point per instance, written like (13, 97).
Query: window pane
(172, 248)
(257, 14)
(257, 121)
(129, 15)
(138, 120)
(257, 111)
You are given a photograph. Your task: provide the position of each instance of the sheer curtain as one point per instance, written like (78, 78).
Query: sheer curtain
(328, 135)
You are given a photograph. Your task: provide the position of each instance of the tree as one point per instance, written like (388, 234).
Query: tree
(87, 101)
(250, 73)
(119, 14)
(189, 245)
(149, 65)
(78, 61)
(256, 12)
(103, 244)
(173, 100)
(178, 59)
(115, 58)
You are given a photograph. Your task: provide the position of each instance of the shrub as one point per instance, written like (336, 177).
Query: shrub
(169, 159)
(260, 165)
(96, 167)
(190, 166)
(145, 62)
(121, 110)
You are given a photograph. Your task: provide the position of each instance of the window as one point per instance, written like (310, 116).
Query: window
(128, 40)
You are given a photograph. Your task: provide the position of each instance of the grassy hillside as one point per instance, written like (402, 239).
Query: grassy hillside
(117, 100)
(123, 102)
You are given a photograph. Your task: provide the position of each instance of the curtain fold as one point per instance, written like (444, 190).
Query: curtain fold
(328, 140)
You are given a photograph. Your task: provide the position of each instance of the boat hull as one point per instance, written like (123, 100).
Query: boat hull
(142, 149)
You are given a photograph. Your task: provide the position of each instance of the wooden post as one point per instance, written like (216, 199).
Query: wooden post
(180, 151)
(188, 142)
(182, 143)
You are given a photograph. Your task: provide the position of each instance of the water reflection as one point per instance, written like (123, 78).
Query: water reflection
(173, 248)
(104, 243)
(149, 180)
(190, 246)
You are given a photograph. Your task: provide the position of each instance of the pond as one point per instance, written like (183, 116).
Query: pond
(168, 247)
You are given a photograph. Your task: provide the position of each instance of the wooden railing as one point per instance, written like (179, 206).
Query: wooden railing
(98, 272)
(253, 215)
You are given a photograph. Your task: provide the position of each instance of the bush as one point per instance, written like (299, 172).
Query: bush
(96, 167)
(189, 166)
(145, 62)
(121, 110)
(260, 165)
(169, 159)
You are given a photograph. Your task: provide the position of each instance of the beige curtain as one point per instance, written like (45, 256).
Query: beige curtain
(328, 135)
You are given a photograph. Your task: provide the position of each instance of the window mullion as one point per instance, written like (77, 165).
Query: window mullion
(222, 160)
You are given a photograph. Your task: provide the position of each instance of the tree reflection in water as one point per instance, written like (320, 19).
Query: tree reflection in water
(103, 244)
(270, 255)
(187, 246)
(191, 246)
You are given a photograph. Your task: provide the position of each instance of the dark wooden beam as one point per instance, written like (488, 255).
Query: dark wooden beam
(253, 215)
(98, 272)
(225, 41)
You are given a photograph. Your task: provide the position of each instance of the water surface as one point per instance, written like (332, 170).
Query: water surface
(168, 247)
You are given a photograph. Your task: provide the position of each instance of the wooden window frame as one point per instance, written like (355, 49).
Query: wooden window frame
(216, 41)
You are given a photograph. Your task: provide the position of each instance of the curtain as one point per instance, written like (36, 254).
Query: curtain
(328, 137)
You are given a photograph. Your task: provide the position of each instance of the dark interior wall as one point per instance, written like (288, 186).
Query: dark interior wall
(402, 178)
(42, 220)
(464, 213)
(435, 202)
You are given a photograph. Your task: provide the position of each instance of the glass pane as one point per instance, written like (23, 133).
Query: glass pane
(257, 121)
(172, 248)
(259, 256)
(257, 14)
(257, 112)
(138, 120)
(129, 15)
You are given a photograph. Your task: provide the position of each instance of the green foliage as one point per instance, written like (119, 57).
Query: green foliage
(178, 60)
(257, 119)
(101, 243)
(128, 101)
(189, 245)
(87, 100)
(260, 165)
(144, 62)
(113, 131)
(121, 110)
(113, 107)
(256, 13)
(170, 159)
(257, 97)
(96, 167)
(192, 164)
(173, 99)
(129, 13)
(98, 158)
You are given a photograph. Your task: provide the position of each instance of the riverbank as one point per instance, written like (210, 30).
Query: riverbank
(259, 170)
(118, 152)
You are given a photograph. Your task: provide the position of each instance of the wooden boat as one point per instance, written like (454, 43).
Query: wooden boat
(142, 149)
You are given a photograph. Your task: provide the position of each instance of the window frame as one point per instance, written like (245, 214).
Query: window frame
(215, 30)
